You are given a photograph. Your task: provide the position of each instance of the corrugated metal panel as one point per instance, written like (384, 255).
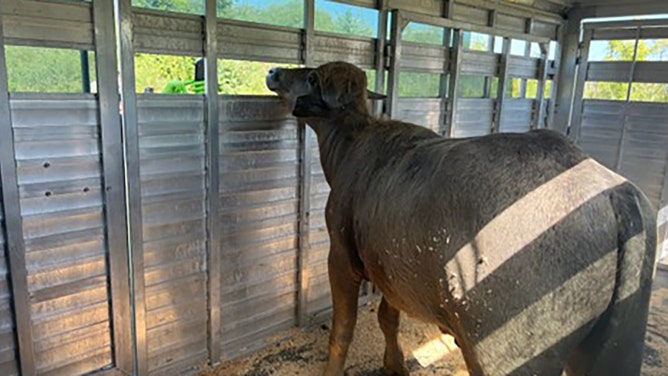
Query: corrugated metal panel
(8, 351)
(426, 112)
(356, 50)
(630, 33)
(56, 24)
(466, 13)
(651, 71)
(244, 40)
(645, 148)
(516, 115)
(319, 292)
(59, 174)
(477, 62)
(171, 150)
(163, 32)
(430, 7)
(544, 29)
(473, 117)
(601, 130)
(523, 67)
(611, 71)
(259, 211)
(512, 23)
(423, 57)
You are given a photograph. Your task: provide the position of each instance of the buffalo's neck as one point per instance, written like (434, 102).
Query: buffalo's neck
(336, 139)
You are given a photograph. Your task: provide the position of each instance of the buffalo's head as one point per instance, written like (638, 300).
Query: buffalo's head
(330, 89)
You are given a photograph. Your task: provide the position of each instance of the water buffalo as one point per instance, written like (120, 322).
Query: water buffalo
(536, 258)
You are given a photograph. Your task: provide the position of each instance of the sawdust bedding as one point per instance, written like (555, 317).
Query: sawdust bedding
(305, 352)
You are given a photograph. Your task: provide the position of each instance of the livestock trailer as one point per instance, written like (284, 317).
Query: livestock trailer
(149, 233)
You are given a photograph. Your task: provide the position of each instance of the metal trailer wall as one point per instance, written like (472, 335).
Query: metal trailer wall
(8, 341)
(626, 135)
(451, 114)
(259, 207)
(216, 241)
(8, 359)
(173, 209)
(57, 154)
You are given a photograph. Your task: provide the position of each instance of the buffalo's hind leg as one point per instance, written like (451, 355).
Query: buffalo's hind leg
(388, 318)
(344, 280)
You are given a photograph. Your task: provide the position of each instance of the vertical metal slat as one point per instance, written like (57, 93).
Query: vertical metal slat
(380, 52)
(625, 124)
(444, 78)
(491, 22)
(211, 120)
(134, 205)
(539, 102)
(504, 67)
(395, 56)
(453, 85)
(549, 122)
(305, 174)
(14, 226)
(114, 182)
(581, 77)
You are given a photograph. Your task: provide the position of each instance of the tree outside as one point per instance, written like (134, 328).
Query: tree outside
(160, 73)
(622, 50)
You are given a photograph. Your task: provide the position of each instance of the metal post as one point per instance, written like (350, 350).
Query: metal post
(453, 85)
(114, 181)
(663, 214)
(305, 175)
(529, 28)
(569, 48)
(539, 102)
(133, 201)
(85, 71)
(14, 227)
(556, 67)
(380, 53)
(211, 121)
(583, 66)
(625, 125)
(503, 81)
(491, 22)
(395, 57)
(309, 29)
(448, 7)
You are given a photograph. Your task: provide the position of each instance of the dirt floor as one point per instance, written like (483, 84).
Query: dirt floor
(306, 351)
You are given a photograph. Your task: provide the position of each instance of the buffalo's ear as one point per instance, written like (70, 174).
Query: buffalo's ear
(373, 95)
(339, 90)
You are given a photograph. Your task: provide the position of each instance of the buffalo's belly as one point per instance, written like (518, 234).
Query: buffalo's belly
(409, 283)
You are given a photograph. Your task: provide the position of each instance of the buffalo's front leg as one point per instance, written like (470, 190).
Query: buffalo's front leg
(345, 282)
(388, 318)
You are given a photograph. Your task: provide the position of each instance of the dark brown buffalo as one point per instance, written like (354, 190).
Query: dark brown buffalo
(535, 257)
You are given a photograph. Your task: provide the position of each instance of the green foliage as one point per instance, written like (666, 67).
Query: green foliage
(422, 34)
(623, 50)
(421, 85)
(182, 6)
(35, 69)
(285, 13)
(471, 86)
(155, 71)
(345, 23)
